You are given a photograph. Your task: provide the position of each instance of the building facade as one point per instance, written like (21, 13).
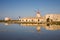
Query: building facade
(37, 18)
(52, 17)
(7, 19)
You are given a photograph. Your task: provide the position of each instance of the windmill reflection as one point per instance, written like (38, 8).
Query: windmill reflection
(39, 26)
(46, 26)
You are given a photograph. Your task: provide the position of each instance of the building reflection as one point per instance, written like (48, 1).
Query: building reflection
(6, 24)
(39, 26)
(46, 26)
(52, 27)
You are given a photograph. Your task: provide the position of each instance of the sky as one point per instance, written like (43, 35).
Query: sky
(25, 8)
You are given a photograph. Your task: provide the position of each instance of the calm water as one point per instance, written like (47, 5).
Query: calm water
(29, 32)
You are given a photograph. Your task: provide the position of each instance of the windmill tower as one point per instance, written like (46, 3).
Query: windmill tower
(38, 14)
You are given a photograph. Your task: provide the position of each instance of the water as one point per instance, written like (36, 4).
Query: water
(29, 32)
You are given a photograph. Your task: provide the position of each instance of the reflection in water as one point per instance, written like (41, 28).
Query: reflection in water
(47, 27)
(6, 24)
(38, 26)
(29, 31)
(48, 24)
(52, 27)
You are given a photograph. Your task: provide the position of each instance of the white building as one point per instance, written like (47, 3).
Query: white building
(37, 18)
(31, 19)
(7, 18)
(53, 17)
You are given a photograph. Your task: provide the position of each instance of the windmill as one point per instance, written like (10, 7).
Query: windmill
(38, 13)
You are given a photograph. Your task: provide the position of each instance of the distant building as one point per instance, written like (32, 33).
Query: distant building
(37, 18)
(7, 18)
(52, 17)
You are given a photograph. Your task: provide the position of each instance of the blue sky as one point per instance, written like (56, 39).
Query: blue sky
(24, 8)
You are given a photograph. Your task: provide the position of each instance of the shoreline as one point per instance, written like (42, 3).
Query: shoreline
(19, 22)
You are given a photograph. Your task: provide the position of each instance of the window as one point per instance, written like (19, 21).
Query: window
(26, 20)
(48, 19)
(32, 20)
(38, 20)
